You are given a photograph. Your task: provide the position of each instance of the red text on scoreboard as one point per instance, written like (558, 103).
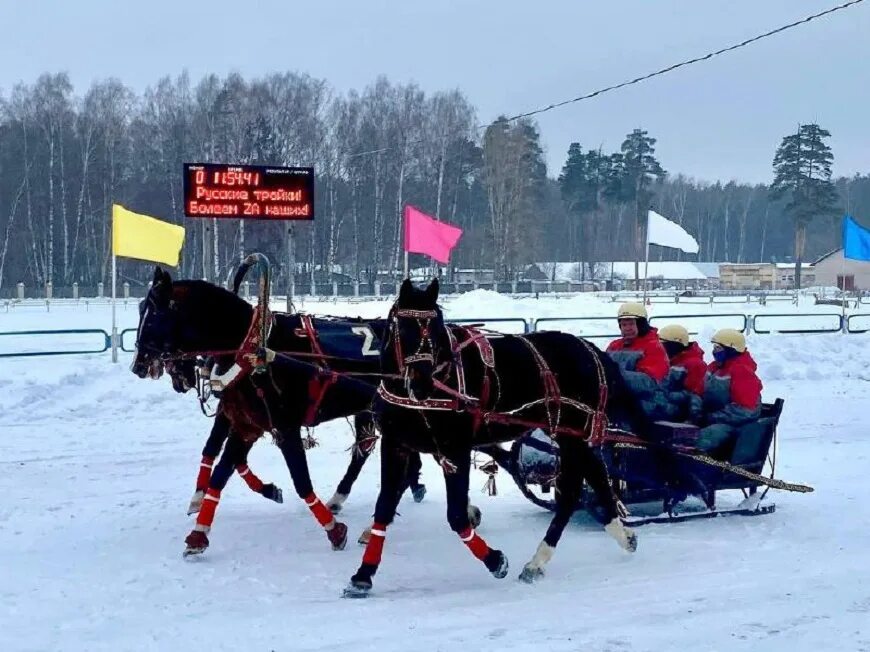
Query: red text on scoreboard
(254, 192)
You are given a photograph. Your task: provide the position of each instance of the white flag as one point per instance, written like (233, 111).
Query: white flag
(663, 232)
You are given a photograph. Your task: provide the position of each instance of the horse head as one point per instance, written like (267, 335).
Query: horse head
(417, 340)
(183, 319)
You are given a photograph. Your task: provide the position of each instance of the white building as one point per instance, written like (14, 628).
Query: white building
(832, 270)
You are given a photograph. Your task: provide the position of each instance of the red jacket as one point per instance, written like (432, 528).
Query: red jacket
(745, 384)
(692, 360)
(653, 361)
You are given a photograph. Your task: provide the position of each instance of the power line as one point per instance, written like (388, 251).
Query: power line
(657, 73)
(688, 62)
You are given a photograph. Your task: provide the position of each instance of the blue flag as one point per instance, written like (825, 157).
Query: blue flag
(856, 240)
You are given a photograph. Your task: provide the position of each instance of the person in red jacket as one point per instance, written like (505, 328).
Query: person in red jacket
(732, 391)
(684, 384)
(641, 358)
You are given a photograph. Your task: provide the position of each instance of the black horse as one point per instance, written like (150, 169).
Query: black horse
(181, 319)
(457, 389)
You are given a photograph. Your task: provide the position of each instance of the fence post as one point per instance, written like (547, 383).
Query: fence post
(100, 290)
(356, 288)
(21, 291)
(76, 291)
(377, 288)
(246, 289)
(48, 290)
(126, 290)
(335, 288)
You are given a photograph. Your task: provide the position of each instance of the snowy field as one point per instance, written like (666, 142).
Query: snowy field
(98, 467)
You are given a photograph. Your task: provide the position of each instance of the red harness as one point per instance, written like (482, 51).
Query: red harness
(324, 379)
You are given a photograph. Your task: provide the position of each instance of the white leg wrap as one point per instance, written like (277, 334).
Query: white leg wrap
(543, 555)
(624, 536)
(337, 500)
(202, 528)
(195, 502)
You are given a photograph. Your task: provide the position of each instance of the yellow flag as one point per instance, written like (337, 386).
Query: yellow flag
(145, 238)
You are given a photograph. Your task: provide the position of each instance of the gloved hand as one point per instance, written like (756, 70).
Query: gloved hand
(675, 379)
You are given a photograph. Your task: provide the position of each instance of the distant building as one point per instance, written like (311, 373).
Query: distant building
(832, 270)
(620, 274)
(763, 276)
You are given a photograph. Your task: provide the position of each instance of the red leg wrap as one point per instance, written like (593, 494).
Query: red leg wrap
(475, 543)
(204, 474)
(321, 512)
(209, 506)
(375, 546)
(250, 479)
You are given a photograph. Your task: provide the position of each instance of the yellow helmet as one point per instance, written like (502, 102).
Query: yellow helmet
(674, 333)
(631, 311)
(731, 338)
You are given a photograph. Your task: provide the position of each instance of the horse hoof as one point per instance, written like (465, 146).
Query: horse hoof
(631, 542)
(531, 574)
(357, 589)
(419, 493)
(364, 537)
(338, 536)
(196, 543)
(195, 503)
(474, 516)
(497, 563)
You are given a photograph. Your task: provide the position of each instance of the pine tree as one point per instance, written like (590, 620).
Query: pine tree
(641, 170)
(802, 173)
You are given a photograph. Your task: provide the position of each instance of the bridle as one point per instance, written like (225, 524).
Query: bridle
(425, 349)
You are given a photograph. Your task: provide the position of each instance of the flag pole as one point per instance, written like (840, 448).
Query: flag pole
(646, 262)
(114, 323)
(843, 288)
(405, 239)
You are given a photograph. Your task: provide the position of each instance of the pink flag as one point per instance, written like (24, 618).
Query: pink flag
(426, 235)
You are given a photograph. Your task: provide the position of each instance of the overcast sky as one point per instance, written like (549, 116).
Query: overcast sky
(720, 119)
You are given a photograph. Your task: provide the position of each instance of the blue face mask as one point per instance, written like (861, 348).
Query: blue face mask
(723, 354)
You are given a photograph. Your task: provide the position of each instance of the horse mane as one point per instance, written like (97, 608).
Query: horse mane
(211, 306)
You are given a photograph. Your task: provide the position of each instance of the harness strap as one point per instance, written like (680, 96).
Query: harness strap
(310, 332)
(317, 388)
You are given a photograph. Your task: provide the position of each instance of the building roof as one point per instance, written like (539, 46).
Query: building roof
(828, 255)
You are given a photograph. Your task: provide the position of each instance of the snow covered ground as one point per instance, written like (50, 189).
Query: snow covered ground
(98, 467)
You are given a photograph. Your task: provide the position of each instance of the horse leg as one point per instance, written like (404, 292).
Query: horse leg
(290, 443)
(418, 490)
(457, 481)
(364, 444)
(595, 473)
(394, 462)
(254, 483)
(569, 485)
(213, 445)
(197, 540)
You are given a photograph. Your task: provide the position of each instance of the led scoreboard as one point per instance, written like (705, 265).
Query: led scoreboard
(254, 192)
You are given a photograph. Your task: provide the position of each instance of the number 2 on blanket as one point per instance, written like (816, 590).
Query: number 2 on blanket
(366, 332)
